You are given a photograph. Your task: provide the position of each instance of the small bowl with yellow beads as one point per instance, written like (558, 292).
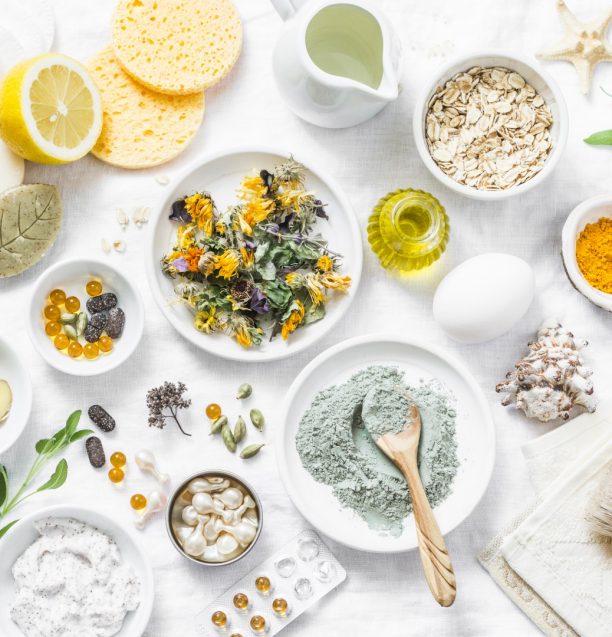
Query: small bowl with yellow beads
(586, 242)
(85, 317)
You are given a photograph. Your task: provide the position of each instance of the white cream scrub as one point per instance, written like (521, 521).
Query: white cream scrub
(72, 582)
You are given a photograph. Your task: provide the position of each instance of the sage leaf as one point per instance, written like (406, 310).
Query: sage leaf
(41, 445)
(601, 138)
(57, 479)
(30, 220)
(77, 435)
(72, 423)
(3, 485)
(4, 530)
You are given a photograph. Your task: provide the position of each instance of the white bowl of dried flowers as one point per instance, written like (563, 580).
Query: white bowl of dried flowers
(85, 317)
(490, 125)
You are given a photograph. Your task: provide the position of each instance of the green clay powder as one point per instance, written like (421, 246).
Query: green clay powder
(336, 449)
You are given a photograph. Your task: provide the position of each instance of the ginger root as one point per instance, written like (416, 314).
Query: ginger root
(552, 378)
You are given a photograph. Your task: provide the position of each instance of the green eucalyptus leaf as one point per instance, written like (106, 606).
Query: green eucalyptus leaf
(3, 485)
(4, 530)
(57, 479)
(601, 138)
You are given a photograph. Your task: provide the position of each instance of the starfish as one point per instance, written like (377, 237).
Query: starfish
(584, 44)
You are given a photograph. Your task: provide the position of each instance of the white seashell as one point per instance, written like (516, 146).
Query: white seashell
(190, 515)
(232, 498)
(203, 503)
(195, 544)
(226, 544)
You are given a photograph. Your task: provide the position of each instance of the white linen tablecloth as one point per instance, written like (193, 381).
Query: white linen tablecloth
(383, 594)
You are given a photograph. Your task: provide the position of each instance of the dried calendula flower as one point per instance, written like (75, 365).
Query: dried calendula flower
(251, 450)
(244, 391)
(218, 424)
(240, 429)
(257, 419)
(228, 438)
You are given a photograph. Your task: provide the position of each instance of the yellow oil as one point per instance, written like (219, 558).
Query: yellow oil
(408, 230)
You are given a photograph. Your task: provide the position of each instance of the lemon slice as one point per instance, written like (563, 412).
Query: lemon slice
(50, 109)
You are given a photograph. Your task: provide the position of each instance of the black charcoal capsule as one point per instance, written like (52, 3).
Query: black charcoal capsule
(95, 327)
(102, 302)
(95, 452)
(115, 323)
(102, 418)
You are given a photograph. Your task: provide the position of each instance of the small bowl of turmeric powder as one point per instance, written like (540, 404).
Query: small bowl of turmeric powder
(587, 249)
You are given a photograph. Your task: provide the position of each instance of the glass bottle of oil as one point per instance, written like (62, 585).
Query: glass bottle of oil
(408, 230)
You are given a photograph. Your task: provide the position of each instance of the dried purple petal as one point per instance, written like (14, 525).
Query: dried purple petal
(179, 212)
(259, 302)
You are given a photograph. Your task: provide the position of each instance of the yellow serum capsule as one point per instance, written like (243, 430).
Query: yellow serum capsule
(220, 621)
(258, 625)
(263, 585)
(280, 606)
(241, 602)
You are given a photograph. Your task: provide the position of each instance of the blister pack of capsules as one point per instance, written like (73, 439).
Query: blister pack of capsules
(274, 593)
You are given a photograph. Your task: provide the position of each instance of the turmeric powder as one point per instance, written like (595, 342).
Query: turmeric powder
(594, 254)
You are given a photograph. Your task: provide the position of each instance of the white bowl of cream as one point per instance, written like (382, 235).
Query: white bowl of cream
(50, 562)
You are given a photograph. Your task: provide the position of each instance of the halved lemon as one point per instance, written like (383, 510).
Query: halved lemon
(50, 109)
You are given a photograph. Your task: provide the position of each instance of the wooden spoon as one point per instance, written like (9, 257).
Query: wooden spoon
(402, 449)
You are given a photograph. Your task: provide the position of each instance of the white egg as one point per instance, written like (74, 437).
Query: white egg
(484, 297)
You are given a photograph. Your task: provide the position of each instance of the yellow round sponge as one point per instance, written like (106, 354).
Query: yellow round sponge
(140, 128)
(177, 46)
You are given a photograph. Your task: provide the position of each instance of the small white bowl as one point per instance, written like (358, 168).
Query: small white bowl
(14, 372)
(589, 211)
(23, 534)
(72, 276)
(536, 76)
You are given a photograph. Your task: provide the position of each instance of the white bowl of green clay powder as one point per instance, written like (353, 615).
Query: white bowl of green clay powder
(334, 472)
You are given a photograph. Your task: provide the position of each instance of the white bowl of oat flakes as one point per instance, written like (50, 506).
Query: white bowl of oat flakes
(490, 125)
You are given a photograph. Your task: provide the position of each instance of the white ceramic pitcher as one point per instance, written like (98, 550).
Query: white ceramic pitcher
(336, 63)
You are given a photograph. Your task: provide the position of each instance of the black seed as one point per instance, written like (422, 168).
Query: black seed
(100, 303)
(115, 323)
(95, 452)
(102, 418)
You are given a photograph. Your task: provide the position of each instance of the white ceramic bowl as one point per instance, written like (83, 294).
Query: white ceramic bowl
(588, 211)
(72, 276)
(221, 174)
(475, 434)
(23, 534)
(535, 75)
(14, 372)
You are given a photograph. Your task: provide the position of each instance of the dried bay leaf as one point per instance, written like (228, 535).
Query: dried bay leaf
(30, 220)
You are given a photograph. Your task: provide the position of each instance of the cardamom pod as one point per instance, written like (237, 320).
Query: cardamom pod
(70, 332)
(257, 419)
(228, 438)
(251, 450)
(240, 429)
(81, 323)
(244, 391)
(217, 425)
(67, 317)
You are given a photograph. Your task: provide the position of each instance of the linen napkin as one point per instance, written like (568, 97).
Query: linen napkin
(564, 467)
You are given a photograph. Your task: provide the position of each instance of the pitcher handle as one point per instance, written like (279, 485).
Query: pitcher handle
(287, 8)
